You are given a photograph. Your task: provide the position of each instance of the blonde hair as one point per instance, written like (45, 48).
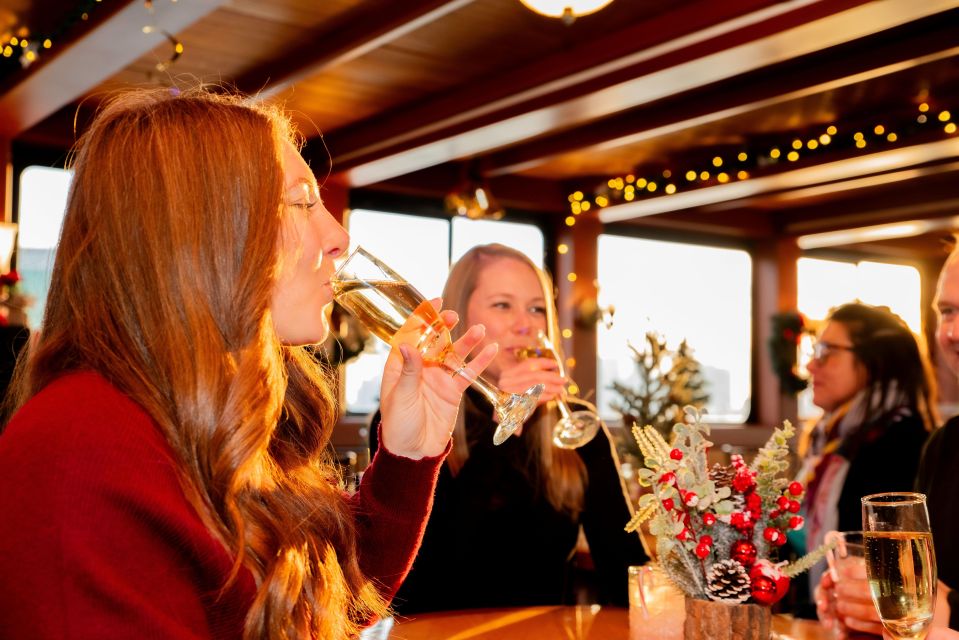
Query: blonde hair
(162, 284)
(561, 472)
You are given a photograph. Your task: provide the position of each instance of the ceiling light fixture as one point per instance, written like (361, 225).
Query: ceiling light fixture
(567, 10)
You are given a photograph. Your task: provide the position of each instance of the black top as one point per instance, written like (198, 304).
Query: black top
(883, 456)
(494, 540)
(939, 479)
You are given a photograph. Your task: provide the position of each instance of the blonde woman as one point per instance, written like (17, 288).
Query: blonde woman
(165, 473)
(506, 519)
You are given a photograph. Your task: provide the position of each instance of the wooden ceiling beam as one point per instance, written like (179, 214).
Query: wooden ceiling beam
(513, 192)
(813, 75)
(360, 32)
(559, 72)
(67, 72)
(676, 67)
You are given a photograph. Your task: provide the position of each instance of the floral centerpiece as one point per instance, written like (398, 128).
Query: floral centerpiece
(719, 530)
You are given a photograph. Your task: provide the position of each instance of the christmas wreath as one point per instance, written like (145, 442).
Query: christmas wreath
(787, 330)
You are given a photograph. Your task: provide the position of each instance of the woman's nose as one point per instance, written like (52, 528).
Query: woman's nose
(522, 325)
(336, 240)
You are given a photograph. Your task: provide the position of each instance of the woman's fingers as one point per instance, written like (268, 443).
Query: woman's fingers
(854, 591)
(864, 626)
(450, 318)
(470, 370)
(863, 613)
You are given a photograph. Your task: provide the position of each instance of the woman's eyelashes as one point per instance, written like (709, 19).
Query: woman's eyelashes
(505, 305)
(306, 206)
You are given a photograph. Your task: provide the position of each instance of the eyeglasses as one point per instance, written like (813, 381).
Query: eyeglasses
(822, 350)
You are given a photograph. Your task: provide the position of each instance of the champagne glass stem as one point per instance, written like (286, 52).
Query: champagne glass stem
(563, 409)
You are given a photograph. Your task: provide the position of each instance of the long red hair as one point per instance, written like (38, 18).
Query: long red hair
(162, 284)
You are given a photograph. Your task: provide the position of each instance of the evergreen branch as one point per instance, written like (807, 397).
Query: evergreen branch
(807, 561)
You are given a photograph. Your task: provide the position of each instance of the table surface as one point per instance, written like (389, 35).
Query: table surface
(585, 622)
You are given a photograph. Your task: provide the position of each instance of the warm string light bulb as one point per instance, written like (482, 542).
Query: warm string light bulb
(795, 148)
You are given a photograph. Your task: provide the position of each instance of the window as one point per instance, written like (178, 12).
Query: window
(421, 249)
(43, 201)
(522, 237)
(681, 291)
(824, 284)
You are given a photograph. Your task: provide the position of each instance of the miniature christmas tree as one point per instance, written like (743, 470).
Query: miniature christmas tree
(668, 380)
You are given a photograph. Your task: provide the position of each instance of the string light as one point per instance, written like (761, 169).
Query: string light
(567, 333)
(562, 249)
(810, 143)
(32, 46)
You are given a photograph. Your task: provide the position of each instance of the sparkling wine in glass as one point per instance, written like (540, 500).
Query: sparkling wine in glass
(900, 562)
(383, 301)
(575, 428)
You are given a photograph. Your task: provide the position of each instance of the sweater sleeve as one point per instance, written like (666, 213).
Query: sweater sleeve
(98, 539)
(604, 520)
(391, 509)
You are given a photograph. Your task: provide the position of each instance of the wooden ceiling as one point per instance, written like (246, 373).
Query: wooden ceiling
(411, 96)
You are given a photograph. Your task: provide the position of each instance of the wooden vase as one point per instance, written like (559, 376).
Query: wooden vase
(708, 620)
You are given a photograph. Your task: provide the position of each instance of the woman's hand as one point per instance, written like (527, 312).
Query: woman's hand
(532, 371)
(935, 633)
(846, 604)
(419, 400)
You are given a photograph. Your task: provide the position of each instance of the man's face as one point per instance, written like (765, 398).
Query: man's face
(947, 312)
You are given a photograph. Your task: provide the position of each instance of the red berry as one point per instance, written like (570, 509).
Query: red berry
(794, 506)
(795, 488)
(691, 499)
(708, 540)
(683, 535)
(709, 519)
(775, 513)
(668, 504)
(782, 502)
(796, 522)
(702, 550)
(668, 478)
(676, 454)
(771, 534)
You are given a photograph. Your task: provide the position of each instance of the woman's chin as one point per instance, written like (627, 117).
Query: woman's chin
(304, 335)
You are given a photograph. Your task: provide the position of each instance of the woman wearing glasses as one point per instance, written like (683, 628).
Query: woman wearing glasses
(874, 383)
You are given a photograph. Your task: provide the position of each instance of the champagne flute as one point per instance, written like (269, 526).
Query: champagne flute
(383, 301)
(900, 562)
(575, 428)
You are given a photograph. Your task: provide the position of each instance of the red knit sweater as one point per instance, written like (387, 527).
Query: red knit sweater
(97, 539)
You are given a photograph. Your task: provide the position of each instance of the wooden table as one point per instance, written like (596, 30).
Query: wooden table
(585, 622)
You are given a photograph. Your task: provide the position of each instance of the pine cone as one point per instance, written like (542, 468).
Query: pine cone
(722, 476)
(727, 581)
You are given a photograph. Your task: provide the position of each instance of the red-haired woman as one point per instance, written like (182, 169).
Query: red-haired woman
(165, 474)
